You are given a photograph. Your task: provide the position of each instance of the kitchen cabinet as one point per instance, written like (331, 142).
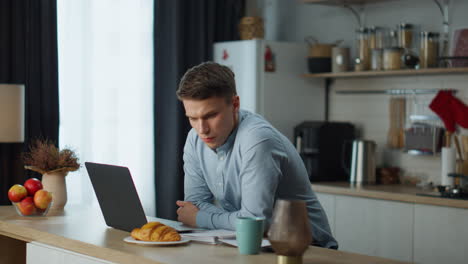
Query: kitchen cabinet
(440, 234)
(407, 231)
(374, 227)
(12, 251)
(328, 203)
(38, 253)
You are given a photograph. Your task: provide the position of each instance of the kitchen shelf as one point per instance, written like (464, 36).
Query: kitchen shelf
(431, 71)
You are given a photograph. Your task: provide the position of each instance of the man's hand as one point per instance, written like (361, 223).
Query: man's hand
(187, 213)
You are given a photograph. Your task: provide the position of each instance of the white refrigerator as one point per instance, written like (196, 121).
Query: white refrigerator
(283, 96)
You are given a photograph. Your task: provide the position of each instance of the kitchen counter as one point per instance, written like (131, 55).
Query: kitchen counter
(394, 192)
(84, 231)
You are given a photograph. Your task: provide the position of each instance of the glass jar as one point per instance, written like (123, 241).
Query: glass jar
(363, 51)
(392, 58)
(392, 39)
(377, 37)
(429, 49)
(405, 35)
(376, 60)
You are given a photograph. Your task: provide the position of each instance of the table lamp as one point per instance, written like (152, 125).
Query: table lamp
(11, 113)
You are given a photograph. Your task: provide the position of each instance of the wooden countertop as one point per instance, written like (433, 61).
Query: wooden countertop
(396, 192)
(84, 231)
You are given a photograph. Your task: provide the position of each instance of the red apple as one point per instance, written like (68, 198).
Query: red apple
(42, 199)
(26, 206)
(17, 192)
(33, 185)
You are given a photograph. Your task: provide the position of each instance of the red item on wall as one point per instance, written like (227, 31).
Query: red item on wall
(225, 55)
(450, 109)
(269, 60)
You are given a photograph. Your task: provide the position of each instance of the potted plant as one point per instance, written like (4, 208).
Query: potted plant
(54, 164)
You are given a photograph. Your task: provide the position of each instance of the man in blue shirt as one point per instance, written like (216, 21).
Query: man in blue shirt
(235, 162)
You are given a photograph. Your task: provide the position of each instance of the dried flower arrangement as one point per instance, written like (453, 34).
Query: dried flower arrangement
(45, 157)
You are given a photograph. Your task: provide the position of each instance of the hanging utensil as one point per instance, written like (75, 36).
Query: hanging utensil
(457, 145)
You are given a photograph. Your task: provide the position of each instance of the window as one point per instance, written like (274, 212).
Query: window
(106, 91)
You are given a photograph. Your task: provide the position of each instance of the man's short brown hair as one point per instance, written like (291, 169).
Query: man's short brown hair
(207, 80)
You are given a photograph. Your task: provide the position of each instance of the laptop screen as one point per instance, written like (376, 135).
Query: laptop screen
(117, 196)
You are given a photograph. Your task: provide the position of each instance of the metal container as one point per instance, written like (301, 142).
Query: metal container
(340, 59)
(363, 162)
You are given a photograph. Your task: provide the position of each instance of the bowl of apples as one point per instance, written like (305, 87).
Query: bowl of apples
(30, 199)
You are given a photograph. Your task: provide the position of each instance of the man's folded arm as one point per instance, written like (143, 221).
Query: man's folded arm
(260, 175)
(195, 187)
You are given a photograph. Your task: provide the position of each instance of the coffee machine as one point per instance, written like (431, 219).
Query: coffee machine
(322, 148)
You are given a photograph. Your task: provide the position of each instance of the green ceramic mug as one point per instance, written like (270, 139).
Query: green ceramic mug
(249, 234)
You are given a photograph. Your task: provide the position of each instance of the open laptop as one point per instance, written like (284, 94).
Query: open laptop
(118, 198)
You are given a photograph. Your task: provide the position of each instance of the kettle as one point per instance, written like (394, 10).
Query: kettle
(363, 162)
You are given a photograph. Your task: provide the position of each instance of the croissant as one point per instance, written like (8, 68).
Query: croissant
(155, 231)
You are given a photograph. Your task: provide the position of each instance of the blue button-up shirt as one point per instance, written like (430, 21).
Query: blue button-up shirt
(254, 167)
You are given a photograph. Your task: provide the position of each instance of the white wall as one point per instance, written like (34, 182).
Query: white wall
(293, 21)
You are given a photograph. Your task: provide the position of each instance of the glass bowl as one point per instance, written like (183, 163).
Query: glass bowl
(32, 212)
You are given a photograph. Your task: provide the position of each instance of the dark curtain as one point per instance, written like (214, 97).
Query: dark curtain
(28, 55)
(184, 35)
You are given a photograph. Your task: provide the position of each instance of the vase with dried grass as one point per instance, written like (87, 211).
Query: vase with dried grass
(54, 164)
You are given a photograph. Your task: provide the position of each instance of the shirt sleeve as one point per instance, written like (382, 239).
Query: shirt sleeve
(259, 175)
(195, 187)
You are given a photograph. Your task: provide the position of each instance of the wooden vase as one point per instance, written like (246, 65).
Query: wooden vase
(55, 183)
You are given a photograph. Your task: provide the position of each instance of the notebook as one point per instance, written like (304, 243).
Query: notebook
(218, 236)
(211, 236)
(119, 201)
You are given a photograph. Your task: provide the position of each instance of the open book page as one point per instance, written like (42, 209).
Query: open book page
(233, 242)
(210, 236)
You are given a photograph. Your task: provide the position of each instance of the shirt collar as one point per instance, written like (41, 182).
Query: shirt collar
(230, 140)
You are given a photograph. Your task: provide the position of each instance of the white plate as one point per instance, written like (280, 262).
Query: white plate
(131, 240)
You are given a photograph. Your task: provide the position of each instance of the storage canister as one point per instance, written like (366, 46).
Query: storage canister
(376, 59)
(405, 35)
(377, 37)
(340, 59)
(363, 49)
(392, 58)
(429, 49)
